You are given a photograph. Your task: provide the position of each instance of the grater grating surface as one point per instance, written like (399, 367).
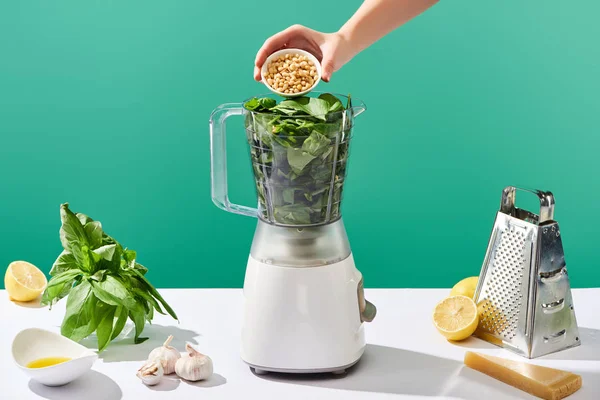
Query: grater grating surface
(523, 294)
(504, 296)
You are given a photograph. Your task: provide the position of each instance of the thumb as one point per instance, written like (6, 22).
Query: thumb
(327, 68)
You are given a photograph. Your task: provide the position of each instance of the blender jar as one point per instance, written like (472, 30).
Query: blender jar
(299, 163)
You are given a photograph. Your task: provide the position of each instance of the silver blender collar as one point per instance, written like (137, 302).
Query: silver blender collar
(310, 246)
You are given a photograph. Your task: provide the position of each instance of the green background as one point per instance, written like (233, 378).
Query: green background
(105, 105)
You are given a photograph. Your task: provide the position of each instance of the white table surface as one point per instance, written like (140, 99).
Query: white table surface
(405, 356)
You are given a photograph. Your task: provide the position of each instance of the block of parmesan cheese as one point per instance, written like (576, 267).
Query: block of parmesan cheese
(543, 382)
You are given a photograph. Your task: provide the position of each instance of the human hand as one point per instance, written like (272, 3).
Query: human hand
(331, 49)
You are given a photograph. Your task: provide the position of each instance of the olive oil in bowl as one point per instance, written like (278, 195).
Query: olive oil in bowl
(47, 362)
(50, 358)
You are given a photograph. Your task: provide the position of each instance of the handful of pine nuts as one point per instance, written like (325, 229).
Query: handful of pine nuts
(291, 73)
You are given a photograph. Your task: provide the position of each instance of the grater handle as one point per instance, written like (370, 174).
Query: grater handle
(507, 205)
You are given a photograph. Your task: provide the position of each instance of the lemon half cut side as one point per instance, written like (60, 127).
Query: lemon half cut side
(24, 281)
(456, 317)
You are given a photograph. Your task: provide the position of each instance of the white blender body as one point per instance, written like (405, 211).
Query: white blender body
(304, 305)
(302, 319)
(303, 310)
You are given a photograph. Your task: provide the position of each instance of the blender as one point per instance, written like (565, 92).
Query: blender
(304, 304)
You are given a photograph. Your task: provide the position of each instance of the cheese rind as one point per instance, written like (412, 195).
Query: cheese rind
(546, 383)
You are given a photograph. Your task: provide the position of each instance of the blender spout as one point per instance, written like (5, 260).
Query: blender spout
(356, 106)
(357, 110)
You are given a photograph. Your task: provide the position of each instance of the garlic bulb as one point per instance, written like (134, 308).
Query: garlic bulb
(194, 366)
(151, 372)
(167, 354)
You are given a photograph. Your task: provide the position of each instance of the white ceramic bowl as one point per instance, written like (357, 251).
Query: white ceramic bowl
(34, 343)
(283, 52)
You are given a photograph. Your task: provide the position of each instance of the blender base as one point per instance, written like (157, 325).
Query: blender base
(302, 319)
(258, 370)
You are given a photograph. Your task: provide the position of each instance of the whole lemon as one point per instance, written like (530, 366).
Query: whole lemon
(466, 287)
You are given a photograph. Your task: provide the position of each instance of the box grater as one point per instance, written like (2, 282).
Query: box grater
(523, 293)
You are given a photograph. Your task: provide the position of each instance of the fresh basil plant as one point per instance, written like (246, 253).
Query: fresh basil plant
(104, 283)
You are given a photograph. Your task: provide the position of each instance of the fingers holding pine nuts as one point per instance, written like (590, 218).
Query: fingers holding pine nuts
(291, 73)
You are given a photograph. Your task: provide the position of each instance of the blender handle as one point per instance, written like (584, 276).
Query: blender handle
(218, 159)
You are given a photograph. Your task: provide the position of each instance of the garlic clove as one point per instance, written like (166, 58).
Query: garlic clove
(167, 354)
(194, 366)
(151, 372)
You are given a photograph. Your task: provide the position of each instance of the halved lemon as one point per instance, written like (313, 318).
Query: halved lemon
(24, 281)
(456, 317)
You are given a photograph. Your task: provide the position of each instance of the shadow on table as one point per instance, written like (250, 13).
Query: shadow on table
(124, 350)
(35, 303)
(395, 371)
(474, 343)
(172, 382)
(166, 384)
(214, 380)
(589, 349)
(91, 386)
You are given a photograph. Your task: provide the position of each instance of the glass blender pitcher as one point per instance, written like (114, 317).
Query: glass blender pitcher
(304, 305)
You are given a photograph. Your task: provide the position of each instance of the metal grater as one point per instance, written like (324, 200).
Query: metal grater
(523, 294)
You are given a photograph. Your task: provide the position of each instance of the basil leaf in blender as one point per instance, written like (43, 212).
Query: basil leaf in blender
(298, 149)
